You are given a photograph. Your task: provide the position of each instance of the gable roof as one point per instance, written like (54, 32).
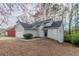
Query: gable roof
(35, 25)
(39, 23)
(26, 26)
(55, 24)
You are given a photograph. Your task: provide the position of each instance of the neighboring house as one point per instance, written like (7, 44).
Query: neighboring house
(10, 32)
(47, 28)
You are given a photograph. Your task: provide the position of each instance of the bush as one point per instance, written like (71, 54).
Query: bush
(28, 36)
(75, 40)
(67, 38)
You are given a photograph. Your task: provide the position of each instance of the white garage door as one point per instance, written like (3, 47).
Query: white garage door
(19, 34)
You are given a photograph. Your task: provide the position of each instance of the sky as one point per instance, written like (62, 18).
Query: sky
(16, 11)
(12, 11)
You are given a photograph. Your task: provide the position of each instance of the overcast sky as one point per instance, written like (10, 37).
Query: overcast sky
(14, 13)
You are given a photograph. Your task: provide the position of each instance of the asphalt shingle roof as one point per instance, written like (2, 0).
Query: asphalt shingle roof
(55, 24)
(26, 26)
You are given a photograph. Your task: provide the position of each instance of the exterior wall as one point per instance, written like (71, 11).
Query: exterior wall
(34, 32)
(57, 34)
(40, 33)
(52, 33)
(19, 31)
(61, 33)
(11, 32)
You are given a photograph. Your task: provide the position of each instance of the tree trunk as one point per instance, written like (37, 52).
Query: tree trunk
(70, 19)
(76, 25)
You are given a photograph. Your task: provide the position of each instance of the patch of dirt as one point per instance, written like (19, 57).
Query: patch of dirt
(39, 47)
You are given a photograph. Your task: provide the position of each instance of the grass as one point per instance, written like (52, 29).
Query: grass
(75, 34)
(73, 38)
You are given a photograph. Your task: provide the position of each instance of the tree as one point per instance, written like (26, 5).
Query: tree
(70, 18)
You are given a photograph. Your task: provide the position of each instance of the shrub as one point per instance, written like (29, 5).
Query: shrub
(67, 38)
(36, 37)
(75, 40)
(28, 36)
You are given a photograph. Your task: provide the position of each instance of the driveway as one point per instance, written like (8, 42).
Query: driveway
(37, 47)
(7, 38)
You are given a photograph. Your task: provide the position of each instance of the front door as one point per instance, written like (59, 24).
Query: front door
(45, 33)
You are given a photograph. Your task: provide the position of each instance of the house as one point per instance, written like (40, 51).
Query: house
(10, 32)
(47, 28)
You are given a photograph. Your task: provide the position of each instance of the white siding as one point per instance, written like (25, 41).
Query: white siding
(52, 33)
(19, 31)
(19, 34)
(61, 33)
(34, 32)
(40, 33)
(57, 34)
